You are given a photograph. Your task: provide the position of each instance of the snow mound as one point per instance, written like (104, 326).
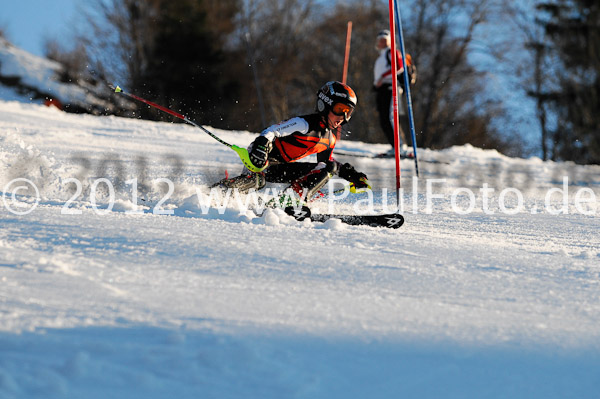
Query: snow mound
(27, 77)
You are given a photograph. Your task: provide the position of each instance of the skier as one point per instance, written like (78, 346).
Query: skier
(280, 146)
(382, 85)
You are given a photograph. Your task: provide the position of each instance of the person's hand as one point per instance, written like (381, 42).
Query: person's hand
(358, 181)
(260, 151)
(360, 186)
(412, 72)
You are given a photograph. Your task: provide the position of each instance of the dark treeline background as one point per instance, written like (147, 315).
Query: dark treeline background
(245, 64)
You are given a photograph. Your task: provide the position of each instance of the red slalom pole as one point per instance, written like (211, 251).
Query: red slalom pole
(395, 99)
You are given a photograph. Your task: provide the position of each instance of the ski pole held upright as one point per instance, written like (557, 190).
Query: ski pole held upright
(411, 120)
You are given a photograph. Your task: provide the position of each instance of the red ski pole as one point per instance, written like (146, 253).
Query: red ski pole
(242, 152)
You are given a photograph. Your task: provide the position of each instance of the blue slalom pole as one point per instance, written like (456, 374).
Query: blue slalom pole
(411, 121)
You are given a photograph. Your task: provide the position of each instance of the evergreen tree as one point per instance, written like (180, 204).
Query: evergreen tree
(171, 52)
(573, 29)
(185, 66)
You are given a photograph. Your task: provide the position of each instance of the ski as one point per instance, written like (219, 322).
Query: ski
(392, 221)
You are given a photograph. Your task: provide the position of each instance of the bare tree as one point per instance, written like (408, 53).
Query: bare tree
(451, 105)
(327, 59)
(74, 61)
(171, 52)
(572, 33)
(280, 52)
(278, 31)
(449, 97)
(536, 67)
(120, 37)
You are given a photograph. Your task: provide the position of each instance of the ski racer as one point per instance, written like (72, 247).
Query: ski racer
(279, 147)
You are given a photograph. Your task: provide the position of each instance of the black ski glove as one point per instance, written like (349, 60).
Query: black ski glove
(358, 181)
(260, 151)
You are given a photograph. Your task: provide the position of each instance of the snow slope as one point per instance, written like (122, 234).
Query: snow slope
(27, 78)
(498, 301)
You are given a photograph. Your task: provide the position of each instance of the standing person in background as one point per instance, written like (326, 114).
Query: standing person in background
(382, 85)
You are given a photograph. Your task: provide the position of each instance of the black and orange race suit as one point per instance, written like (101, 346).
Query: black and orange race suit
(300, 137)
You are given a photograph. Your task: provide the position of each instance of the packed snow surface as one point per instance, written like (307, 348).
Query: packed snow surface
(119, 282)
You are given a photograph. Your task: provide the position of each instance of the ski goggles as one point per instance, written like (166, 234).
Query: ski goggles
(340, 109)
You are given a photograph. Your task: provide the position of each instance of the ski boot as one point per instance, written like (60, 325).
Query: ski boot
(244, 183)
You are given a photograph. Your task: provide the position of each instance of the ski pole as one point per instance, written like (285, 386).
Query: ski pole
(241, 152)
(411, 119)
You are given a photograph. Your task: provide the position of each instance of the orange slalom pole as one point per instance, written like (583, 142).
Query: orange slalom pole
(347, 56)
(345, 71)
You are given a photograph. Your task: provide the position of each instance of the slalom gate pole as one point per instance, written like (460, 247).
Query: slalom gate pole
(347, 54)
(242, 152)
(345, 70)
(411, 120)
(395, 98)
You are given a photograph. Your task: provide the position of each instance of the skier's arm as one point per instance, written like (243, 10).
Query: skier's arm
(378, 71)
(259, 150)
(285, 128)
